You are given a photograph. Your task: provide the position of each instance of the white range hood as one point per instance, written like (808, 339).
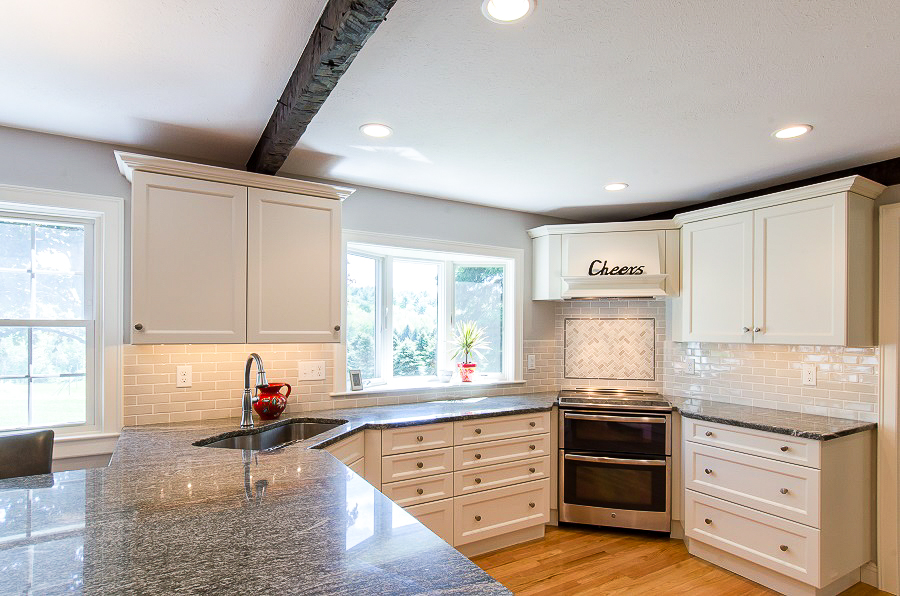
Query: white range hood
(614, 260)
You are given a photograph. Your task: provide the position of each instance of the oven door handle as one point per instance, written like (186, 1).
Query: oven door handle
(643, 419)
(615, 460)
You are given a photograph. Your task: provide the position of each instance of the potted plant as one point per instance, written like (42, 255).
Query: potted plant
(469, 340)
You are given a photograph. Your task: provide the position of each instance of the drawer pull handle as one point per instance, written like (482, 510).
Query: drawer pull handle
(783, 548)
(708, 471)
(477, 431)
(532, 505)
(477, 518)
(746, 330)
(420, 438)
(709, 433)
(784, 491)
(532, 424)
(784, 447)
(532, 447)
(478, 481)
(419, 491)
(531, 470)
(420, 465)
(708, 521)
(477, 456)
(138, 327)
(757, 329)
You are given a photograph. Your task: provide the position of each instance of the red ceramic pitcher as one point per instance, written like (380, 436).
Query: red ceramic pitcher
(271, 402)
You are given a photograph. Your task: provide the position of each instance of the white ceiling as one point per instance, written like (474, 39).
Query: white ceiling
(676, 97)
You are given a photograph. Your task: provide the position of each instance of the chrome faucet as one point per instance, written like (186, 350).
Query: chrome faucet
(247, 400)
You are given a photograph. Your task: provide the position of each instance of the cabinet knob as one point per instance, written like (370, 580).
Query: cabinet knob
(756, 330)
(707, 470)
(419, 491)
(708, 521)
(532, 447)
(419, 465)
(746, 330)
(784, 447)
(477, 431)
(420, 438)
(532, 505)
(532, 424)
(477, 456)
(783, 547)
(477, 518)
(337, 327)
(784, 491)
(709, 433)
(138, 327)
(478, 481)
(531, 470)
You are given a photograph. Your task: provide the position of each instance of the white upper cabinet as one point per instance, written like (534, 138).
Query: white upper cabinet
(294, 251)
(796, 267)
(189, 261)
(717, 282)
(222, 256)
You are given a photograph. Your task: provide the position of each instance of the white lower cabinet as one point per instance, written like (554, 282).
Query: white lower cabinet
(790, 513)
(499, 511)
(419, 490)
(437, 516)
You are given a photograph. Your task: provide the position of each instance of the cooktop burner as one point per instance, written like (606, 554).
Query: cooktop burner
(596, 397)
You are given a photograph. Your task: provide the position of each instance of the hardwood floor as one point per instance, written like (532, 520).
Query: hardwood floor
(582, 560)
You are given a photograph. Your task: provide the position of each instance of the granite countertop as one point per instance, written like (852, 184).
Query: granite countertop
(796, 424)
(169, 517)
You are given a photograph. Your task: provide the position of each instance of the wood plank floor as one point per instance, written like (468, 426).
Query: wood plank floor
(584, 560)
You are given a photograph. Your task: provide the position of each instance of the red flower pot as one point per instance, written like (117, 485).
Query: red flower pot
(466, 371)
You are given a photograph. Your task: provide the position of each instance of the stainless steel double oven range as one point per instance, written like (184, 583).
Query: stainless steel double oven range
(615, 458)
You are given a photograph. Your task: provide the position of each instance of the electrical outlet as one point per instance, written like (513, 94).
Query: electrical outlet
(311, 370)
(184, 376)
(808, 374)
(689, 367)
(531, 363)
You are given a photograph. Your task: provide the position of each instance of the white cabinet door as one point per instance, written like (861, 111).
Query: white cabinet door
(800, 272)
(189, 261)
(294, 285)
(717, 288)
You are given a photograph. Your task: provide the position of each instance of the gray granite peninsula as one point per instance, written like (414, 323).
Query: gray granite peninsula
(167, 517)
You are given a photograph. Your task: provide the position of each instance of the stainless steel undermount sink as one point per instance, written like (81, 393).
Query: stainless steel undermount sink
(279, 436)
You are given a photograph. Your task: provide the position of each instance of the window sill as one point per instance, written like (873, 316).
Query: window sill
(65, 447)
(429, 386)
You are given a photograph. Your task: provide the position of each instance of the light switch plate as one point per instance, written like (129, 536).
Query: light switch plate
(531, 363)
(808, 374)
(311, 370)
(184, 376)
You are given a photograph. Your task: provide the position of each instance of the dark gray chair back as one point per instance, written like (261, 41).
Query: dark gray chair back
(26, 453)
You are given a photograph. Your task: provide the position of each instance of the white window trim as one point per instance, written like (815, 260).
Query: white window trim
(107, 215)
(515, 300)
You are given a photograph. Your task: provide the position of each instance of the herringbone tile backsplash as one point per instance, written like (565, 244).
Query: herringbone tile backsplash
(615, 348)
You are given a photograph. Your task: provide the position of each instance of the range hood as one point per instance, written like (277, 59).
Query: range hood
(621, 260)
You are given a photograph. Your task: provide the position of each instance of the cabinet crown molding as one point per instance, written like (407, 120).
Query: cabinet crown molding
(129, 162)
(590, 228)
(855, 184)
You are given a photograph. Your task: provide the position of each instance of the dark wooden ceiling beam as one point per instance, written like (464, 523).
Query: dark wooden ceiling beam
(342, 30)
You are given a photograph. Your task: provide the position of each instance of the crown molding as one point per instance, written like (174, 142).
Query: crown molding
(590, 228)
(856, 184)
(130, 162)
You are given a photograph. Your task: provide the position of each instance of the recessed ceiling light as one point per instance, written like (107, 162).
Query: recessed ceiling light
(373, 129)
(616, 186)
(507, 11)
(790, 132)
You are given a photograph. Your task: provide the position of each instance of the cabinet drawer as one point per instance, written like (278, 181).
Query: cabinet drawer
(778, 544)
(416, 438)
(350, 449)
(419, 490)
(359, 466)
(499, 511)
(416, 464)
(502, 451)
(437, 516)
(496, 476)
(785, 490)
(502, 427)
(795, 450)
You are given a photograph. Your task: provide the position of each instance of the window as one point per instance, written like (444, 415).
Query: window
(60, 312)
(404, 303)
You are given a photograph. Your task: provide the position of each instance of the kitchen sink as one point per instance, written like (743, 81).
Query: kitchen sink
(273, 438)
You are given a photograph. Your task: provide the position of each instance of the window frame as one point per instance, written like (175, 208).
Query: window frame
(380, 246)
(106, 216)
